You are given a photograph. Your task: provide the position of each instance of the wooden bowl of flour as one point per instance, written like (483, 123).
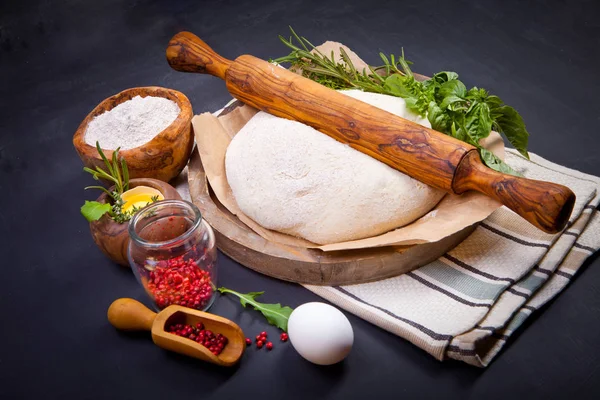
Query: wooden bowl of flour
(162, 157)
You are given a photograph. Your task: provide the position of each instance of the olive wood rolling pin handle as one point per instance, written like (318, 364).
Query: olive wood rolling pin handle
(544, 204)
(429, 156)
(130, 315)
(188, 53)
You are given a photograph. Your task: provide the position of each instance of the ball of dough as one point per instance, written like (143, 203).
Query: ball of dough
(291, 178)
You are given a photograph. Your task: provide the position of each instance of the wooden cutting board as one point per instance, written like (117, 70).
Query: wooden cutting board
(301, 265)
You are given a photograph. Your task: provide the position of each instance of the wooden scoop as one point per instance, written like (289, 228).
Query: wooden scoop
(422, 153)
(131, 315)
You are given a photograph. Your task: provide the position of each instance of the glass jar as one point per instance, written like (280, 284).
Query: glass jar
(173, 254)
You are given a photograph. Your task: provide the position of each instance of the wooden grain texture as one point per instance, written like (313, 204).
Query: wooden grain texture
(544, 204)
(188, 53)
(113, 238)
(422, 153)
(131, 315)
(404, 145)
(161, 158)
(302, 265)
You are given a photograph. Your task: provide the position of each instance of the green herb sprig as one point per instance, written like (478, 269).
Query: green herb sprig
(117, 173)
(468, 115)
(274, 313)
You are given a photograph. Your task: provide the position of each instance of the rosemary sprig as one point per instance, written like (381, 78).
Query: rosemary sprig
(117, 173)
(329, 72)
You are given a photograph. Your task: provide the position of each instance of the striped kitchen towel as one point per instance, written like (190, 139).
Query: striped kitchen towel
(467, 303)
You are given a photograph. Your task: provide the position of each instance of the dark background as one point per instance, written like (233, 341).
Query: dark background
(59, 59)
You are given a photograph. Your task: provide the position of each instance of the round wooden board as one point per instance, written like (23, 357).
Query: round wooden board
(301, 265)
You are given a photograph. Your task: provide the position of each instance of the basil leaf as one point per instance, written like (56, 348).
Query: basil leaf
(477, 94)
(478, 121)
(439, 120)
(93, 210)
(495, 163)
(274, 313)
(396, 85)
(512, 126)
(493, 102)
(460, 133)
(452, 88)
(444, 76)
(453, 103)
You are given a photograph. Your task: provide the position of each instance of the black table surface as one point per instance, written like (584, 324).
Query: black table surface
(58, 60)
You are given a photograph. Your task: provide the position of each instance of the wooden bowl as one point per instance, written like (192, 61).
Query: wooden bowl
(161, 158)
(113, 238)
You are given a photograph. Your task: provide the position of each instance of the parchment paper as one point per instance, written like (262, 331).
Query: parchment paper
(452, 214)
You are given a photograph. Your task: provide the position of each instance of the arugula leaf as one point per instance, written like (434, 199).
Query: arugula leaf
(495, 163)
(93, 210)
(512, 126)
(274, 313)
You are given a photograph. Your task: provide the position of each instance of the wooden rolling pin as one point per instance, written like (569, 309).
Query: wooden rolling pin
(422, 153)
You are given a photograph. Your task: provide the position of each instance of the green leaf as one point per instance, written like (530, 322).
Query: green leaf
(93, 210)
(404, 64)
(478, 121)
(477, 94)
(453, 103)
(274, 313)
(452, 88)
(99, 188)
(125, 175)
(459, 132)
(106, 162)
(495, 163)
(512, 126)
(416, 97)
(396, 85)
(439, 120)
(444, 76)
(493, 102)
(117, 171)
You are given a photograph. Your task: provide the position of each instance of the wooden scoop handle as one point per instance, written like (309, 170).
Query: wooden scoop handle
(130, 315)
(431, 157)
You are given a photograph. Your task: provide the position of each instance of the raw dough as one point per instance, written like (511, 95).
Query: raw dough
(291, 178)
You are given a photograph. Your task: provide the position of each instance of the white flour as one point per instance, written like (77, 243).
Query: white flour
(132, 123)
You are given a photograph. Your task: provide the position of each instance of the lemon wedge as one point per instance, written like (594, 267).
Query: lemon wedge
(139, 197)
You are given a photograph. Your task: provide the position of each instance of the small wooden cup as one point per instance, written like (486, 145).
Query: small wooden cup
(161, 158)
(113, 238)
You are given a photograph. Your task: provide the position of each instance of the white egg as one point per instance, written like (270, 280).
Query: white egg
(320, 333)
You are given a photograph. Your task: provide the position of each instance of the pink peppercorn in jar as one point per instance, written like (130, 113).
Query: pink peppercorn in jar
(173, 254)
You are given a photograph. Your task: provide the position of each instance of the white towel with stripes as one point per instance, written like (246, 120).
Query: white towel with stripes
(467, 303)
